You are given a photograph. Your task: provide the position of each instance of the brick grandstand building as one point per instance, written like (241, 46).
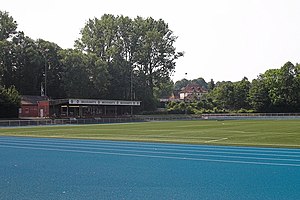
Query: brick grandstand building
(42, 107)
(34, 106)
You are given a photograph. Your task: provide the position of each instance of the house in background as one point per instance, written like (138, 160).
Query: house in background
(192, 92)
(34, 106)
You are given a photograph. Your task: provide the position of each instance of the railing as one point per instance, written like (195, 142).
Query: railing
(144, 118)
(252, 116)
(39, 122)
(169, 117)
(43, 122)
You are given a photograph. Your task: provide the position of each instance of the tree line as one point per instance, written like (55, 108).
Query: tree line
(276, 90)
(116, 57)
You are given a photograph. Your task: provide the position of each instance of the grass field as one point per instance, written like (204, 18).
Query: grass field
(268, 133)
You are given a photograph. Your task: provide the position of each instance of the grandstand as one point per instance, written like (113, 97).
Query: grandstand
(82, 108)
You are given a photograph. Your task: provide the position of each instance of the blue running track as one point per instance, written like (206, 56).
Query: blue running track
(54, 169)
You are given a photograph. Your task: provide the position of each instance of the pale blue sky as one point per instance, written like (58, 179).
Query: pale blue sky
(222, 39)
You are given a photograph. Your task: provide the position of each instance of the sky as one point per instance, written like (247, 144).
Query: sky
(223, 40)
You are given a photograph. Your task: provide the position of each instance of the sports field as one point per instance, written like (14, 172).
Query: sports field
(73, 169)
(268, 133)
(34, 168)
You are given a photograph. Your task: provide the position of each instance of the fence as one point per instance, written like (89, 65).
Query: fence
(241, 116)
(35, 122)
(39, 122)
(143, 118)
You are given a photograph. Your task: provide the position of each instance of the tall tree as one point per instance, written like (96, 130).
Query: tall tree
(27, 62)
(84, 76)
(164, 90)
(8, 26)
(138, 53)
(109, 38)
(181, 84)
(223, 95)
(200, 81)
(258, 96)
(21, 65)
(289, 85)
(98, 75)
(23, 60)
(156, 55)
(277, 90)
(49, 62)
(241, 91)
(6, 58)
(283, 87)
(297, 85)
(211, 85)
(75, 75)
(7, 29)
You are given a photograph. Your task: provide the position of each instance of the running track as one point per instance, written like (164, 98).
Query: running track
(48, 169)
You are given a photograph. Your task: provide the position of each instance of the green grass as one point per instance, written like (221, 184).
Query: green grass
(268, 133)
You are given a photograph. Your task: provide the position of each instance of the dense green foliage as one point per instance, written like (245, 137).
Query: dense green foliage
(9, 102)
(138, 53)
(184, 82)
(277, 133)
(276, 90)
(9, 97)
(7, 25)
(115, 58)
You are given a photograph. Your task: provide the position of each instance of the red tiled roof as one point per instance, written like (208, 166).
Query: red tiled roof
(193, 88)
(31, 100)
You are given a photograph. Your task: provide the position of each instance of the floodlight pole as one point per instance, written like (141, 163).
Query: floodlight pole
(131, 90)
(46, 65)
(45, 79)
(185, 112)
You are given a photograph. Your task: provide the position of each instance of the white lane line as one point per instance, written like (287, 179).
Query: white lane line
(184, 148)
(152, 156)
(152, 152)
(153, 144)
(112, 145)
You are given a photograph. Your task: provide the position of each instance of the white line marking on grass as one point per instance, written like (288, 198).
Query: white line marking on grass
(263, 144)
(163, 136)
(73, 124)
(125, 135)
(152, 156)
(216, 140)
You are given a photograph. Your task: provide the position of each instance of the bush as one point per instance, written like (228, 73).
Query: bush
(10, 101)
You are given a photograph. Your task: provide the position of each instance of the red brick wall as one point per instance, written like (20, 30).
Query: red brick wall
(35, 110)
(29, 111)
(45, 106)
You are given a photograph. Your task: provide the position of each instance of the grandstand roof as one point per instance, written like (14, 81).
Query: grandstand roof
(32, 100)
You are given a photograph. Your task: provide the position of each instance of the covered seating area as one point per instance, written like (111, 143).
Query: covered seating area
(86, 108)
